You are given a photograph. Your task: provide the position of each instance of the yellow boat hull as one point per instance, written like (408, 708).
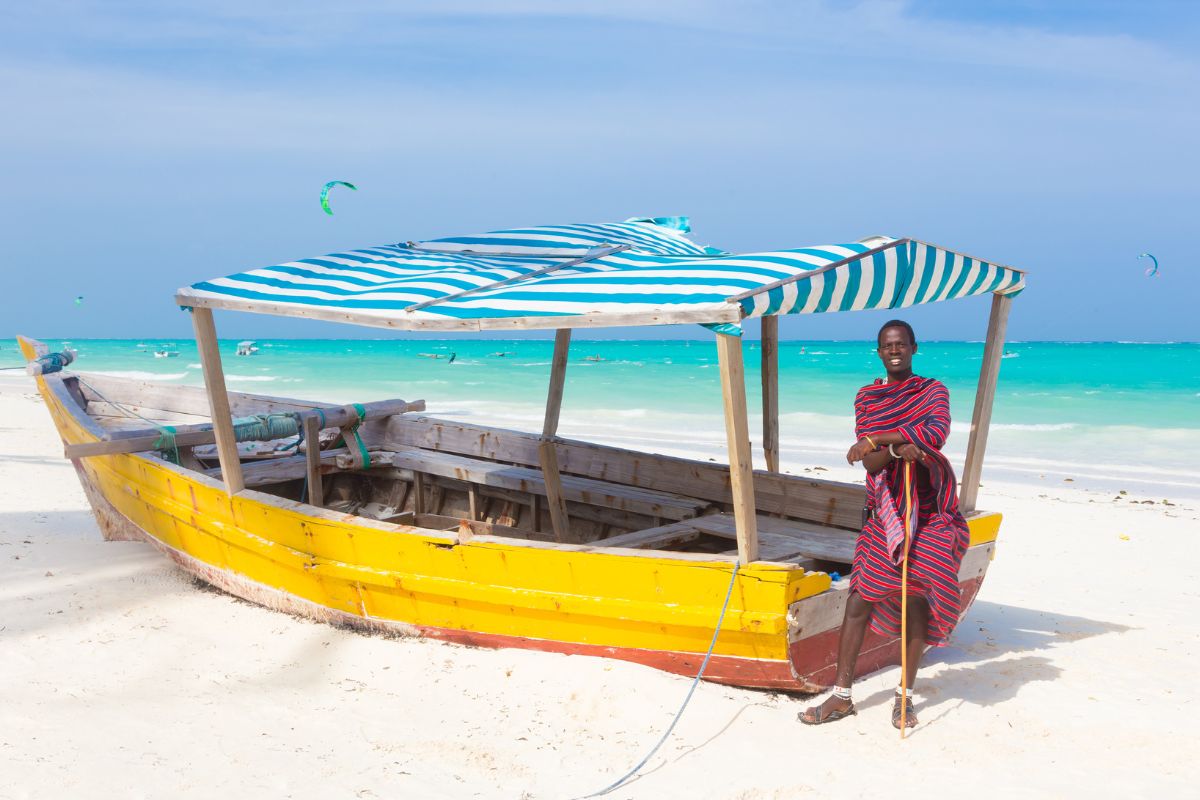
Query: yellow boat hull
(650, 607)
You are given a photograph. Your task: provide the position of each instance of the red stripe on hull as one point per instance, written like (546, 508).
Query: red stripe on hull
(815, 659)
(733, 670)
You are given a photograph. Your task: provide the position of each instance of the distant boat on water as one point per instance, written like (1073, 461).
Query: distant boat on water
(166, 353)
(247, 348)
(1010, 355)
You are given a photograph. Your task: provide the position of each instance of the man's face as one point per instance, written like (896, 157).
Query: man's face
(895, 350)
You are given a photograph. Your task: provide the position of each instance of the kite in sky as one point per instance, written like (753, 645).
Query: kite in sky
(325, 193)
(1151, 272)
(79, 300)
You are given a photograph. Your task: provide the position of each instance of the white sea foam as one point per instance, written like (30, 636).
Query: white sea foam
(1019, 426)
(255, 378)
(136, 374)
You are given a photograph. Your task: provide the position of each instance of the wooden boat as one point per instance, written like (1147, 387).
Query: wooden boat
(497, 538)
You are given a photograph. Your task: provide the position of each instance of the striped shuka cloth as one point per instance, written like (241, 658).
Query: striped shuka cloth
(918, 409)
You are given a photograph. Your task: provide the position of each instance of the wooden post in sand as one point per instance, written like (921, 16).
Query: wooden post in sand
(985, 394)
(547, 455)
(737, 436)
(770, 391)
(218, 399)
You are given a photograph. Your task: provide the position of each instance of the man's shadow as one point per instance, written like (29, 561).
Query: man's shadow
(977, 666)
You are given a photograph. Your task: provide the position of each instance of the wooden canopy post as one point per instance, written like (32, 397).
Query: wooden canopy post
(770, 391)
(218, 399)
(312, 461)
(547, 455)
(985, 394)
(737, 435)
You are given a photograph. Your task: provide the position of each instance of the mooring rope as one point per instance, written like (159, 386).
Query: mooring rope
(166, 433)
(695, 682)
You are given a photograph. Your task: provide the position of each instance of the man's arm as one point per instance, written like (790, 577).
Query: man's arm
(875, 460)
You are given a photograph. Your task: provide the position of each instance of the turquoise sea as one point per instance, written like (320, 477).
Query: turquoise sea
(1107, 415)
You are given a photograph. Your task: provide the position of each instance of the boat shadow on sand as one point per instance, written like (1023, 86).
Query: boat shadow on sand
(996, 651)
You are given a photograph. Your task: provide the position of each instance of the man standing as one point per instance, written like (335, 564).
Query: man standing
(903, 419)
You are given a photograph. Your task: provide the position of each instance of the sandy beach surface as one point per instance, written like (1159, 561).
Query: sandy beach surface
(120, 676)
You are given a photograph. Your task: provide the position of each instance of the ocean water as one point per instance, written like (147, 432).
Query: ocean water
(1105, 415)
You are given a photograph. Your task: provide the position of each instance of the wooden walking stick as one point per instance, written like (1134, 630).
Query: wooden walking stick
(904, 599)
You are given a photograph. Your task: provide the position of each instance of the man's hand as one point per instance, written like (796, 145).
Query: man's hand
(910, 452)
(859, 451)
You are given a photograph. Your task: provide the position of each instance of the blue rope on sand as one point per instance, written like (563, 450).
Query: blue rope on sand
(620, 781)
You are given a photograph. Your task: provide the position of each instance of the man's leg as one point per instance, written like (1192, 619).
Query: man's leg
(854, 628)
(918, 628)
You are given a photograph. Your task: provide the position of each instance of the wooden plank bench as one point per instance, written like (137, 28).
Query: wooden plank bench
(822, 501)
(663, 537)
(648, 502)
(782, 536)
(779, 539)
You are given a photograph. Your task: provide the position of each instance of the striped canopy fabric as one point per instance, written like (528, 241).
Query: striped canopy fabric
(640, 272)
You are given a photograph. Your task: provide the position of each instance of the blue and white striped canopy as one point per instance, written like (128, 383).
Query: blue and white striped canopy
(638, 272)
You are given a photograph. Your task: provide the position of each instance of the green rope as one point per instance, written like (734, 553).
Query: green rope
(166, 439)
(166, 433)
(266, 427)
(362, 448)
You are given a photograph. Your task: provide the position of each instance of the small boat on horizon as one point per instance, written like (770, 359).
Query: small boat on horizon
(246, 348)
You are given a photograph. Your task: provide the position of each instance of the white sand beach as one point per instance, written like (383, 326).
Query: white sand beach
(120, 676)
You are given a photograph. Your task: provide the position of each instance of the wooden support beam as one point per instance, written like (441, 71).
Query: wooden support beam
(418, 493)
(139, 441)
(737, 435)
(218, 399)
(473, 501)
(558, 378)
(312, 438)
(770, 391)
(590, 255)
(985, 394)
(547, 455)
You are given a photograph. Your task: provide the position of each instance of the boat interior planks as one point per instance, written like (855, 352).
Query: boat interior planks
(475, 480)
(824, 502)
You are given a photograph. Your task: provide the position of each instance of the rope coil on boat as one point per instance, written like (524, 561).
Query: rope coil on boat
(256, 428)
(266, 427)
(50, 363)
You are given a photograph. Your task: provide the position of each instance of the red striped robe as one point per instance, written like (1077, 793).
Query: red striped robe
(918, 409)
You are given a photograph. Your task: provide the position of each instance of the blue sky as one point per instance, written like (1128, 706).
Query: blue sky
(148, 145)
